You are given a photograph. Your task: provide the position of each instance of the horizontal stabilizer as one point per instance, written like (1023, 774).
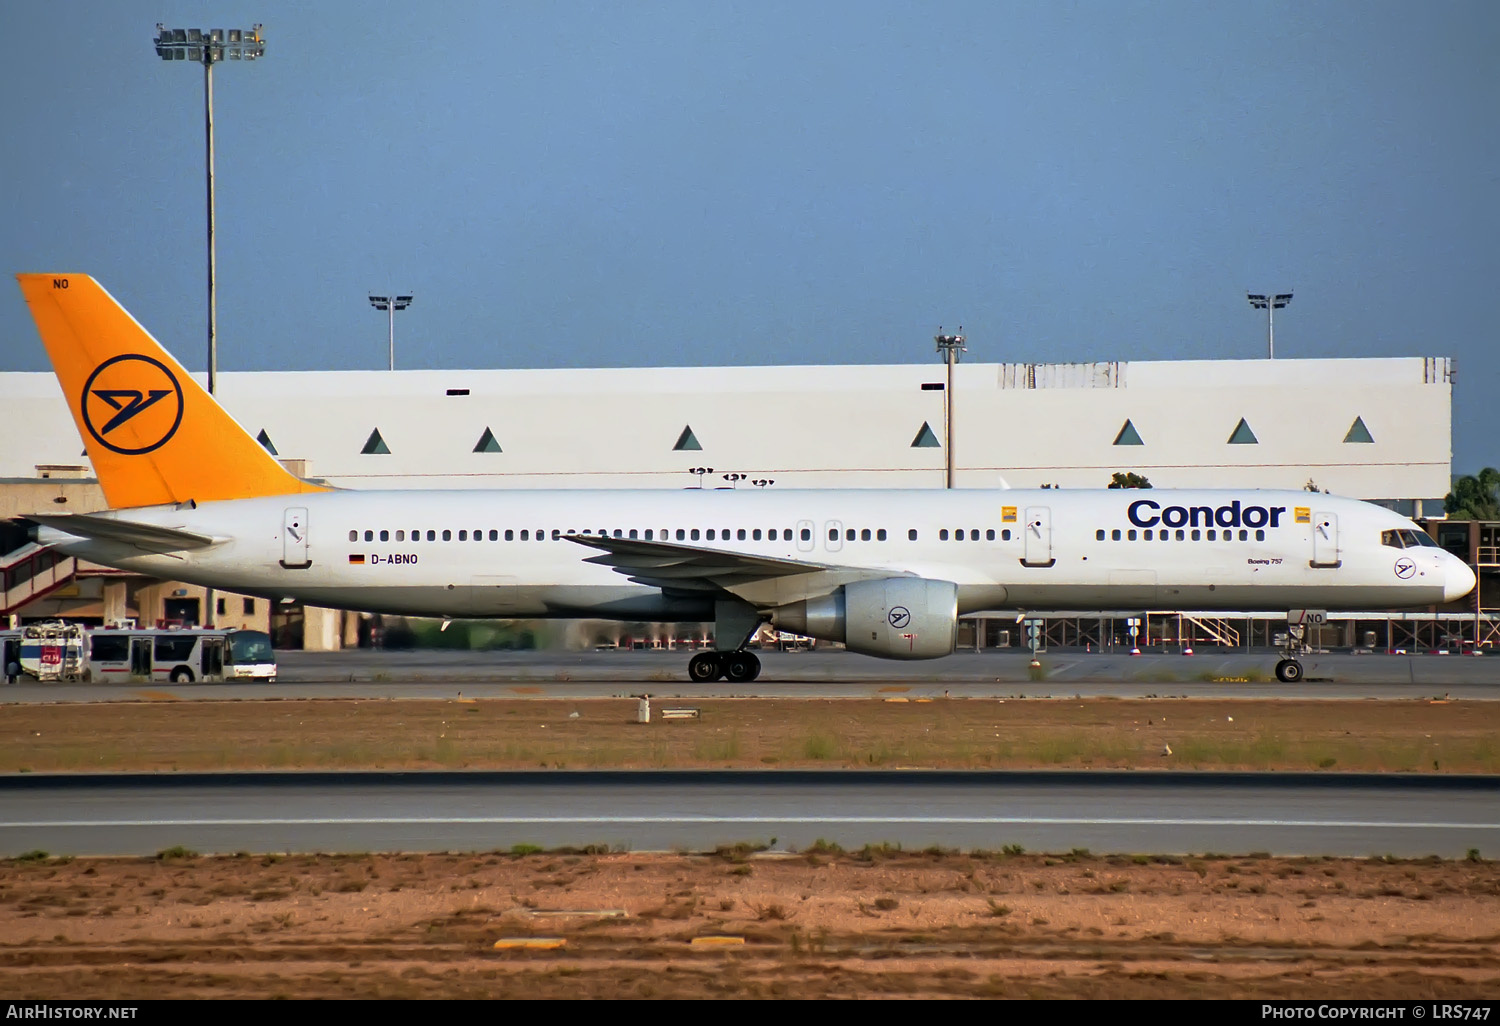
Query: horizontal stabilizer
(143, 536)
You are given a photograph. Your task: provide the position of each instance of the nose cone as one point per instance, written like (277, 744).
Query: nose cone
(1458, 579)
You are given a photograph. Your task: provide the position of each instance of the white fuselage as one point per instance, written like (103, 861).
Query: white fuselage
(505, 554)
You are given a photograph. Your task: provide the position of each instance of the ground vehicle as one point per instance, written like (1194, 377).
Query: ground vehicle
(180, 655)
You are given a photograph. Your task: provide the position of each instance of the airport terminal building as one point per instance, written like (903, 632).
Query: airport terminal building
(1376, 429)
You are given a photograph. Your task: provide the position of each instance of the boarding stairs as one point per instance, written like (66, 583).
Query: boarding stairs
(1219, 630)
(29, 571)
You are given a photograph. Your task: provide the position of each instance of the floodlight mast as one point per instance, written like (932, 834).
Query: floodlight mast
(950, 346)
(391, 304)
(1270, 303)
(208, 47)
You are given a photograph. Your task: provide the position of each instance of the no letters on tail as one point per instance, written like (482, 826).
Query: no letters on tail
(153, 434)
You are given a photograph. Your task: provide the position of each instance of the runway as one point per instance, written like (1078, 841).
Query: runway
(1229, 813)
(1212, 673)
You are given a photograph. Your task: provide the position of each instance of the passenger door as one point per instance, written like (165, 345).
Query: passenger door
(294, 539)
(140, 658)
(1325, 552)
(213, 658)
(1038, 537)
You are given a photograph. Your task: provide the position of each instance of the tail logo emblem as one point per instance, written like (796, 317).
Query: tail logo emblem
(135, 390)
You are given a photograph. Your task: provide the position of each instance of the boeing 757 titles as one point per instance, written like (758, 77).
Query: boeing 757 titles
(888, 573)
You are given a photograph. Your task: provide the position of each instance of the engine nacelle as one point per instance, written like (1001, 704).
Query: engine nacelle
(894, 618)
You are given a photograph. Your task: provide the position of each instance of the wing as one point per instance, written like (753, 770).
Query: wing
(674, 567)
(144, 536)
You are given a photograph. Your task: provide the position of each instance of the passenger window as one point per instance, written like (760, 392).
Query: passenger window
(740, 534)
(385, 536)
(354, 536)
(1130, 535)
(755, 534)
(556, 534)
(1005, 534)
(1181, 536)
(447, 535)
(1114, 535)
(1244, 535)
(943, 534)
(710, 534)
(494, 535)
(401, 536)
(431, 534)
(958, 535)
(681, 534)
(1099, 534)
(620, 534)
(880, 534)
(911, 534)
(632, 534)
(849, 534)
(462, 536)
(864, 535)
(693, 534)
(369, 536)
(806, 534)
(478, 534)
(1260, 535)
(510, 534)
(648, 534)
(1147, 534)
(525, 535)
(989, 535)
(1210, 534)
(1195, 534)
(974, 534)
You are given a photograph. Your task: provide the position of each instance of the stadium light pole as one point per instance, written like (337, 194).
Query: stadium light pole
(950, 346)
(391, 304)
(208, 47)
(1270, 303)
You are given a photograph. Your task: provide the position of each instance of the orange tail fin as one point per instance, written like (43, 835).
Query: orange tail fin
(153, 434)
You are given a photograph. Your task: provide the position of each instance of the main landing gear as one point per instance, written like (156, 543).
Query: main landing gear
(737, 667)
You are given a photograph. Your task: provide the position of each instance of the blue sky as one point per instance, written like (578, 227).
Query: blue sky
(612, 184)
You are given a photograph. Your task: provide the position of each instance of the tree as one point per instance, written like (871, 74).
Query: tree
(1130, 480)
(1475, 497)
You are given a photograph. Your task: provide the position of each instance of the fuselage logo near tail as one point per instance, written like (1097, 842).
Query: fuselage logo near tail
(132, 404)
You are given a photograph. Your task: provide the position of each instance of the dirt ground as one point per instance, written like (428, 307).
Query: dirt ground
(817, 924)
(870, 924)
(529, 733)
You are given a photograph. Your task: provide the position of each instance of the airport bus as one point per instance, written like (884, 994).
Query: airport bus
(134, 655)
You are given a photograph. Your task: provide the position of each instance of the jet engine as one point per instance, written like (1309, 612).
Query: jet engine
(894, 617)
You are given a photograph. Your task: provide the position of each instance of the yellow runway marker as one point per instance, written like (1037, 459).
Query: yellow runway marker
(544, 943)
(157, 696)
(716, 941)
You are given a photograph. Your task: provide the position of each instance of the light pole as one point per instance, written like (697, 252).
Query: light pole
(391, 304)
(950, 346)
(1270, 303)
(208, 47)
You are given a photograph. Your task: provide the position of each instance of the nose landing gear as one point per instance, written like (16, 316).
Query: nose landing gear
(1289, 670)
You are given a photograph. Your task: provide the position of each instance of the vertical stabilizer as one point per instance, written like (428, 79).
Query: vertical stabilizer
(153, 434)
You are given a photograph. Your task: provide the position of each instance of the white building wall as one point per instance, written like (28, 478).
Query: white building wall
(829, 426)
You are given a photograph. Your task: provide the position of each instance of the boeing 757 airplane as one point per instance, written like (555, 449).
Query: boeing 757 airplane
(194, 498)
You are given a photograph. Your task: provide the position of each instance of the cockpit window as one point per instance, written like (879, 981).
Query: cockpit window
(1407, 539)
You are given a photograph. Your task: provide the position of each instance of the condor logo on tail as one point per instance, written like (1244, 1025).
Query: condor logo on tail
(132, 404)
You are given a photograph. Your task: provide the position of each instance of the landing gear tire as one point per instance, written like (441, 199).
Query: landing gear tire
(741, 667)
(705, 666)
(1289, 671)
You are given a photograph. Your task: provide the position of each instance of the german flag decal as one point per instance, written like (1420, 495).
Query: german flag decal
(356, 557)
